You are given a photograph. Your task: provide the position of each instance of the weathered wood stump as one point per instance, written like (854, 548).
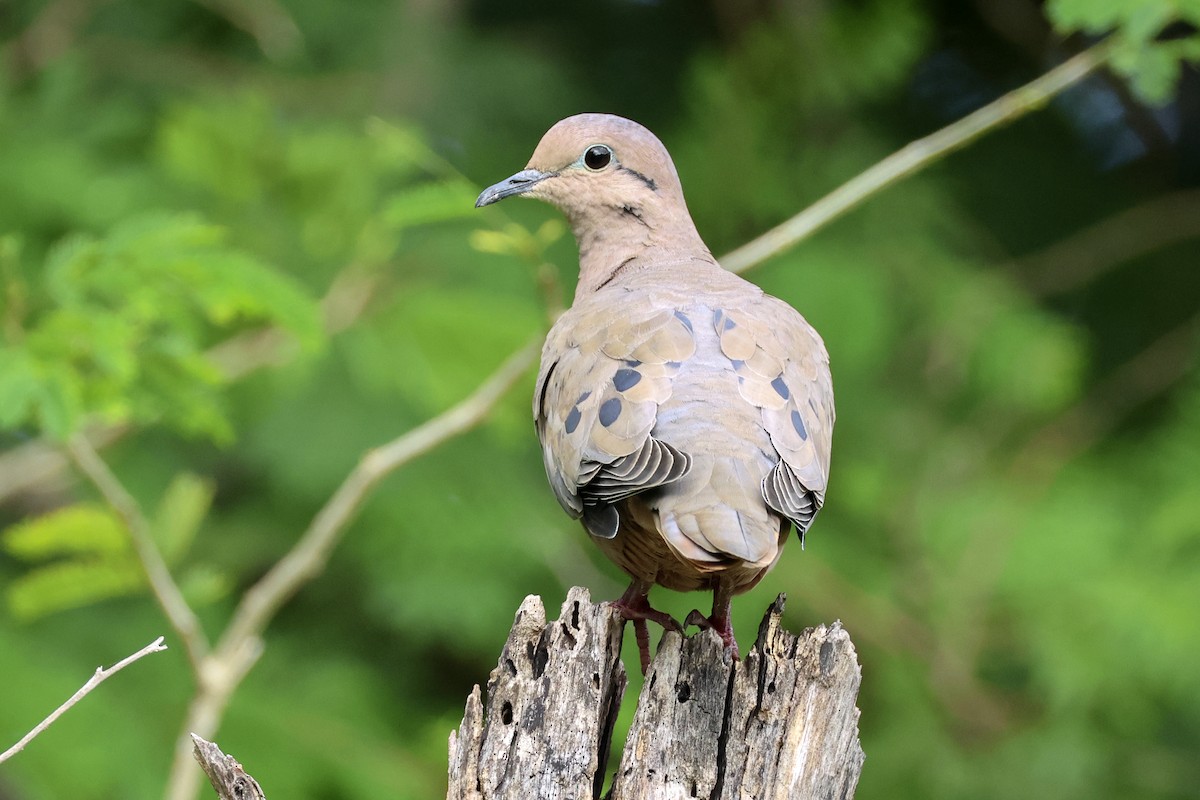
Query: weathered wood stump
(225, 773)
(780, 724)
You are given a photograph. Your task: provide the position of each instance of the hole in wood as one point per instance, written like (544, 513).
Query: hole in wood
(826, 657)
(683, 693)
(771, 687)
(506, 713)
(540, 657)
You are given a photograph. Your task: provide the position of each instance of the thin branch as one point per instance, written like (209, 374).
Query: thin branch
(222, 676)
(916, 156)
(156, 646)
(162, 585)
(309, 555)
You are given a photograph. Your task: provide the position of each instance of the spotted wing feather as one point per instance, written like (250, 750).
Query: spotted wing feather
(783, 369)
(601, 382)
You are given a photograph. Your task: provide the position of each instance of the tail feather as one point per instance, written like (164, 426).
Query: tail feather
(716, 515)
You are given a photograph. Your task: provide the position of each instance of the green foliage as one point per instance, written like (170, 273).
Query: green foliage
(181, 510)
(96, 561)
(1150, 63)
(117, 327)
(81, 554)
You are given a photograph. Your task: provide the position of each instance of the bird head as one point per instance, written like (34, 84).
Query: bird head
(592, 161)
(620, 192)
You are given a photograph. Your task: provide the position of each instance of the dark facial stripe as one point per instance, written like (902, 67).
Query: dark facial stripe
(650, 184)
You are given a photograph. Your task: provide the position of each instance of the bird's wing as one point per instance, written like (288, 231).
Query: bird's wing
(783, 369)
(606, 366)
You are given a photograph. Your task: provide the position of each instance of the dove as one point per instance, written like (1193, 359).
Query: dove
(685, 416)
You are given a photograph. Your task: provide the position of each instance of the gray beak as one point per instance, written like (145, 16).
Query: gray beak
(520, 183)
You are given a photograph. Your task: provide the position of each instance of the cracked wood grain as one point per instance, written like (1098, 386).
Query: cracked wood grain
(224, 772)
(551, 704)
(780, 724)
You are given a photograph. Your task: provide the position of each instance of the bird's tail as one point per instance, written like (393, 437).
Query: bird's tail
(716, 516)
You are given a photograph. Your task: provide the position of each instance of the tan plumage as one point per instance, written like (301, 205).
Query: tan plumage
(685, 415)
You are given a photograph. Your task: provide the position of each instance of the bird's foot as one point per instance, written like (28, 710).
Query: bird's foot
(722, 626)
(635, 607)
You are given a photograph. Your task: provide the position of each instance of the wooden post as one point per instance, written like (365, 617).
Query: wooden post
(780, 724)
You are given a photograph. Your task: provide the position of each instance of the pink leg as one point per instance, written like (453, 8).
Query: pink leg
(719, 620)
(634, 605)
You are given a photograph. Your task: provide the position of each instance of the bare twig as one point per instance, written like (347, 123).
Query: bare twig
(156, 646)
(915, 157)
(162, 585)
(309, 555)
(240, 645)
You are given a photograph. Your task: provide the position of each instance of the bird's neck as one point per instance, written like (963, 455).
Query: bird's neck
(624, 240)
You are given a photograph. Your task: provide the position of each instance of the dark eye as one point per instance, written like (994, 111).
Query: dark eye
(597, 157)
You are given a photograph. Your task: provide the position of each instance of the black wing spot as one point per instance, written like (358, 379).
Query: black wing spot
(573, 420)
(626, 379)
(609, 411)
(798, 424)
(780, 388)
(682, 317)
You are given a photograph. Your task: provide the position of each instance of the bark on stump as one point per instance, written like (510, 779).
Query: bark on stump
(782, 723)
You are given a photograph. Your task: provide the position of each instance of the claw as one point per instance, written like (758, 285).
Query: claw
(719, 621)
(635, 606)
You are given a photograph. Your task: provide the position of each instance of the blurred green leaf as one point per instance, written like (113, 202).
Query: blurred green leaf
(89, 555)
(1153, 67)
(430, 202)
(19, 386)
(66, 585)
(181, 510)
(122, 328)
(1029, 361)
(203, 585)
(82, 529)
